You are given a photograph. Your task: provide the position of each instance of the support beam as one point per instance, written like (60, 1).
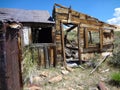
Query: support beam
(79, 50)
(63, 46)
(71, 28)
(101, 39)
(86, 37)
(60, 6)
(46, 56)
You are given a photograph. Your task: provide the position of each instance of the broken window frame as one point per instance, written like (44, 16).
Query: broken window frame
(88, 37)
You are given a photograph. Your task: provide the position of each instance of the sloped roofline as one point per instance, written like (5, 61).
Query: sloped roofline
(22, 15)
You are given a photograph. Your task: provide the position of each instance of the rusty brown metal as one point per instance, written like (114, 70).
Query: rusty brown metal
(3, 84)
(10, 78)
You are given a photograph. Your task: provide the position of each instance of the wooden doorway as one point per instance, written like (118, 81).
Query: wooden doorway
(67, 45)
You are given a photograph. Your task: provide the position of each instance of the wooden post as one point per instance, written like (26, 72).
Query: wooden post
(51, 55)
(39, 57)
(20, 56)
(69, 14)
(54, 52)
(101, 39)
(90, 34)
(63, 46)
(46, 56)
(86, 37)
(79, 50)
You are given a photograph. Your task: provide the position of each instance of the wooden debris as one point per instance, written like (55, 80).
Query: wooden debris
(99, 64)
(107, 70)
(81, 67)
(102, 86)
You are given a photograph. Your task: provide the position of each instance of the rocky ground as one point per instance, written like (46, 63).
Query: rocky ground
(76, 78)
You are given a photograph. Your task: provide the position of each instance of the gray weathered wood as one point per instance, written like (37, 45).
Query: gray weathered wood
(99, 64)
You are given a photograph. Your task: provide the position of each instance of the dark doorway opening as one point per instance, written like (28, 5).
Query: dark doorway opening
(42, 35)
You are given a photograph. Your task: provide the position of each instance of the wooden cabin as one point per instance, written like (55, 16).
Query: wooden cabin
(37, 31)
(92, 35)
(18, 29)
(70, 35)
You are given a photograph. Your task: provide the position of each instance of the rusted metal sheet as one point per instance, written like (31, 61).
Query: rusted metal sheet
(9, 59)
(12, 61)
(3, 79)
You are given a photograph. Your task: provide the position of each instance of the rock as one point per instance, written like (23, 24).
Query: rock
(69, 69)
(65, 77)
(103, 79)
(62, 89)
(34, 87)
(44, 74)
(37, 80)
(72, 65)
(64, 72)
(70, 88)
(62, 68)
(93, 88)
(107, 70)
(80, 88)
(55, 79)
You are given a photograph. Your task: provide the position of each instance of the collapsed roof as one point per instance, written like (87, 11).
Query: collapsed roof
(69, 15)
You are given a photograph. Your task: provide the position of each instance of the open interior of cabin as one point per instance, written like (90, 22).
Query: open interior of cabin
(42, 35)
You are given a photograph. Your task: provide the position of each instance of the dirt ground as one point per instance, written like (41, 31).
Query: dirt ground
(72, 79)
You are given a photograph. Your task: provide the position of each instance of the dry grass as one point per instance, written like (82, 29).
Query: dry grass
(78, 79)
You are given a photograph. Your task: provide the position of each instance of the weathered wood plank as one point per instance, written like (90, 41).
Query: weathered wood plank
(71, 28)
(86, 37)
(58, 5)
(99, 64)
(63, 46)
(101, 39)
(79, 46)
(71, 17)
